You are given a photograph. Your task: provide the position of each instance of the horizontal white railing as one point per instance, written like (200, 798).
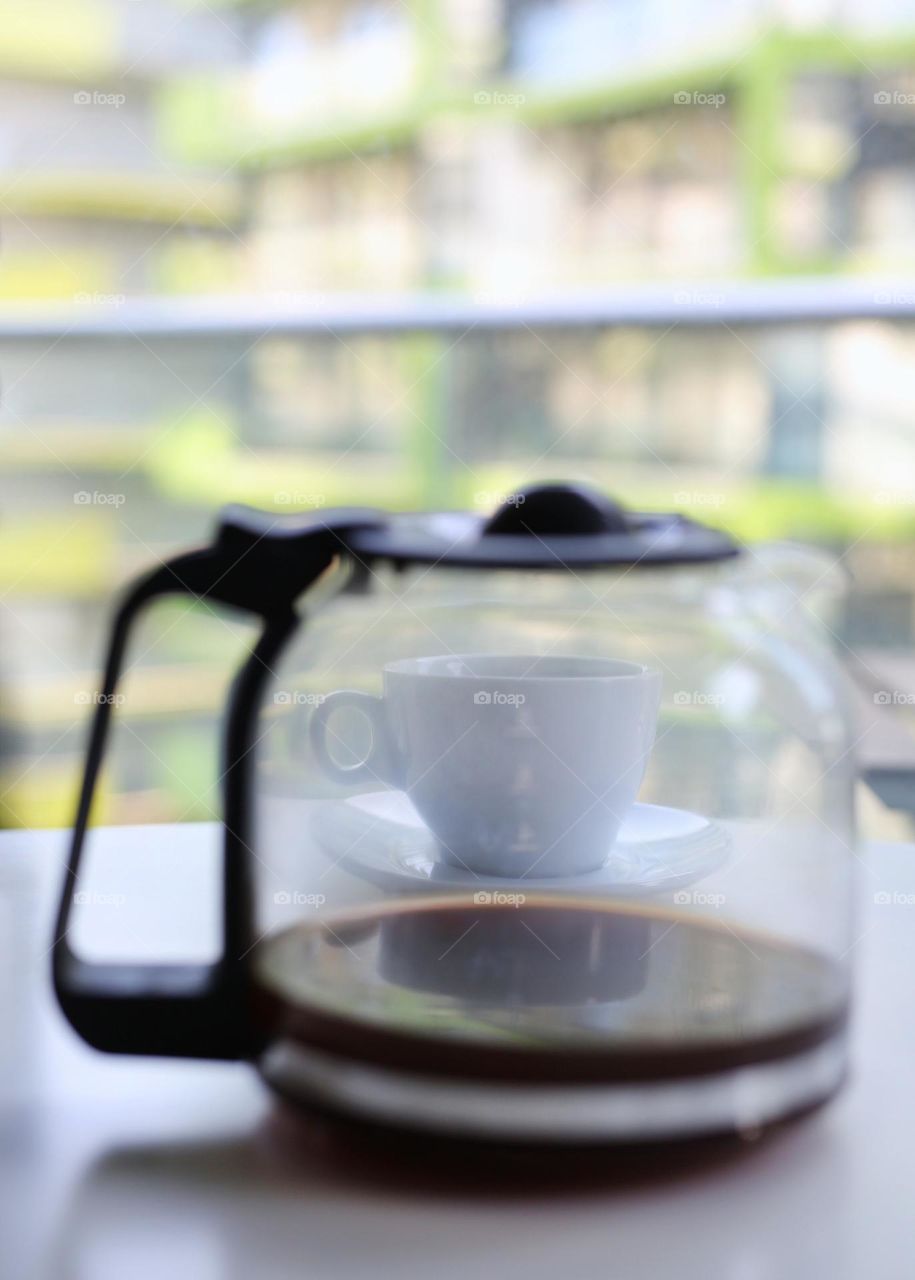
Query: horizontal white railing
(704, 304)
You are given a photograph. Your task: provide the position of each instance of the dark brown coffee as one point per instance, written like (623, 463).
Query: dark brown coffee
(548, 989)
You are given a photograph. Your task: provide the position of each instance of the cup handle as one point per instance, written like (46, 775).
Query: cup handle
(381, 765)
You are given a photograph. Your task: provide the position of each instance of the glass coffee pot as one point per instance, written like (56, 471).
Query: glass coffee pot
(537, 827)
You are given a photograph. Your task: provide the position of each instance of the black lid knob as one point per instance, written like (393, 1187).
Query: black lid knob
(555, 509)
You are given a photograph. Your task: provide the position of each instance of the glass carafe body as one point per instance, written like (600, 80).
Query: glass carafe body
(592, 831)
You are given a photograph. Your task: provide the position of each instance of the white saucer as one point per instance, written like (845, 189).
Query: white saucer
(380, 837)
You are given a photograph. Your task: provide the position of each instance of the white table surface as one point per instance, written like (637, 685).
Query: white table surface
(130, 1168)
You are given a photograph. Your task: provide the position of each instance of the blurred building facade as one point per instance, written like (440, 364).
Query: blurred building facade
(499, 149)
(512, 145)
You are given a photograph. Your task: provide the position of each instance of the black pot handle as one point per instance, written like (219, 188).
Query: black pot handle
(259, 563)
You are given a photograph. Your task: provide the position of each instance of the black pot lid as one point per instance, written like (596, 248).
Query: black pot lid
(548, 526)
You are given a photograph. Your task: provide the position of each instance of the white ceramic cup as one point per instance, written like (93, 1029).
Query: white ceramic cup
(519, 765)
